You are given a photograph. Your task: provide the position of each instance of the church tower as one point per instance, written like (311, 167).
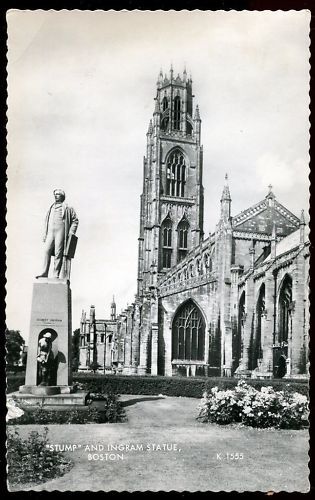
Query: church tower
(171, 213)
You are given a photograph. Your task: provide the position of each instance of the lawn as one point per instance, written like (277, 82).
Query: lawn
(205, 459)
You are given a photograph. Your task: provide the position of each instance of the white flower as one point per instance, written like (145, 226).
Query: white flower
(13, 410)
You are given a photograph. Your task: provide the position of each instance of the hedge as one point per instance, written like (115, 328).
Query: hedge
(168, 386)
(177, 386)
(105, 410)
(14, 382)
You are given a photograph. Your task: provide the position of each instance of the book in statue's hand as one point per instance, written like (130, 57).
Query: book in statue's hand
(71, 246)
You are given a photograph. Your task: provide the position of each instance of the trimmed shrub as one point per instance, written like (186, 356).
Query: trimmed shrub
(176, 386)
(31, 461)
(108, 407)
(109, 410)
(169, 386)
(14, 382)
(264, 408)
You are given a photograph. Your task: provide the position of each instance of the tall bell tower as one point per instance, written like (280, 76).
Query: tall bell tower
(171, 213)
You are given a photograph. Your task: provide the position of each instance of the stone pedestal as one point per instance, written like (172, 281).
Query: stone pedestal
(51, 313)
(48, 390)
(61, 399)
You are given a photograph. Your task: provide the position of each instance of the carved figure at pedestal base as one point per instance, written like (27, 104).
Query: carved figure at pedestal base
(45, 359)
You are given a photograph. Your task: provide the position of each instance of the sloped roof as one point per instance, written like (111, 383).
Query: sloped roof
(261, 217)
(288, 243)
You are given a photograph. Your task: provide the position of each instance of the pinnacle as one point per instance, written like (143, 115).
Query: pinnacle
(150, 128)
(270, 193)
(226, 196)
(197, 114)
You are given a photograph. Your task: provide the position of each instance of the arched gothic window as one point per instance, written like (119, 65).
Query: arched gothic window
(176, 174)
(188, 333)
(237, 333)
(167, 243)
(255, 346)
(285, 307)
(177, 113)
(164, 103)
(182, 238)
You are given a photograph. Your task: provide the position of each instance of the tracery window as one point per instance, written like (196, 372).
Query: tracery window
(177, 113)
(176, 174)
(167, 243)
(188, 333)
(238, 333)
(285, 306)
(183, 230)
(255, 350)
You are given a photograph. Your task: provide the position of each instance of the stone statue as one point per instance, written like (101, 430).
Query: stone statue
(45, 358)
(61, 222)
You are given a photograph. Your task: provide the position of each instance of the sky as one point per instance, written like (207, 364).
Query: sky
(81, 88)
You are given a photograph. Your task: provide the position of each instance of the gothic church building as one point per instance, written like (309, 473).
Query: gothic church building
(233, 304)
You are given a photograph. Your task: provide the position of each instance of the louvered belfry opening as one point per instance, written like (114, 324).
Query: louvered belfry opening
(176, 174)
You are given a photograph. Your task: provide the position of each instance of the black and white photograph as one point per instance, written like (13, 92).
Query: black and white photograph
(157, 252)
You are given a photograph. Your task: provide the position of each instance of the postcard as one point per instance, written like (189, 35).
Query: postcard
(158, 250)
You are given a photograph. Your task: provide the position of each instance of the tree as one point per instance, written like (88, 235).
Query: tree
(76, 350)
(14, 345)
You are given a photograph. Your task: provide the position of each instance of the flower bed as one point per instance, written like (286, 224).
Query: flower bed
(30, 461)
(264, 408)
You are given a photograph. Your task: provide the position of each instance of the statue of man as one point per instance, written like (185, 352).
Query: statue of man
(45, 358)
(61, 221)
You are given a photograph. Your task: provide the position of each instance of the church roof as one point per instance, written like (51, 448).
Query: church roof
(261, 217)
(289, 243)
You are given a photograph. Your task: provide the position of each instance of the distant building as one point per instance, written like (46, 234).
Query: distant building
(99, 344)
(233, 304)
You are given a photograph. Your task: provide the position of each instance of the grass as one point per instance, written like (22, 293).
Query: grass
(273, 459)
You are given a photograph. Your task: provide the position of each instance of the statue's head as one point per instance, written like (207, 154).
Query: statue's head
(47, 336)
(59, 195)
